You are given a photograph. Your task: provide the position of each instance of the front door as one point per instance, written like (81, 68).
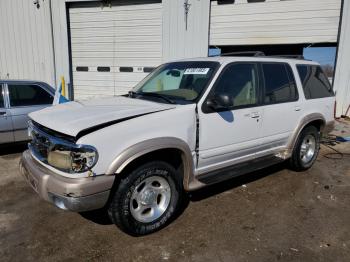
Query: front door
(6, 129)
(231, 136)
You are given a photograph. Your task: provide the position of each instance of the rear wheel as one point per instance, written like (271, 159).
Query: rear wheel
(306, 149)
(147, 199)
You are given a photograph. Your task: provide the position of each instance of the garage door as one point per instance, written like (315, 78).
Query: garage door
(260, 22)
(113, 47)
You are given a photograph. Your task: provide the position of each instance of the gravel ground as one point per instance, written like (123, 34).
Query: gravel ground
(271, 215)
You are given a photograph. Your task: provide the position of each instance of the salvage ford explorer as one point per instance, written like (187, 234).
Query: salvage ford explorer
(187, 125)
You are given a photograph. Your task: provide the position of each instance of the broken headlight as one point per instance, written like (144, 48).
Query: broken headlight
(73, 160)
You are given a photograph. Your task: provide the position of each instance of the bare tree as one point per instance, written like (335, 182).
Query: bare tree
(328, 70)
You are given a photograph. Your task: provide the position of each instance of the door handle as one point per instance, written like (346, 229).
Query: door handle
(2, 113)
(297, 108)
(255, 115)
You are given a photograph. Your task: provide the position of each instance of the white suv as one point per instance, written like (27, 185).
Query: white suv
(189, 124)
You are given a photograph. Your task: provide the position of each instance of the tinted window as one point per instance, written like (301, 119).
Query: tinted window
(27, 95)
(1, 97)
(241, 82)
(315, 82)
(279, 83)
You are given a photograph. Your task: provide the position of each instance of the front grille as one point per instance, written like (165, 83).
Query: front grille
(45, 140)
(40, 144)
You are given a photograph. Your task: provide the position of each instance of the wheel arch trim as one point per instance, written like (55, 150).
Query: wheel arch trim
(148, 146)
(302, 124)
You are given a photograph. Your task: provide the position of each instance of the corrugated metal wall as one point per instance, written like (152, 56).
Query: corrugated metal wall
(342, 73)
(274, 22)
(179, 42)
(25, 41)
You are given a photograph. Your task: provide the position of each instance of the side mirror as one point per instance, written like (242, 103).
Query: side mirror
(220, 102)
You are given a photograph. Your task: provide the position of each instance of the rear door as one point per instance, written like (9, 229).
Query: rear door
(281, 106)
(6, 129)
(24, 99)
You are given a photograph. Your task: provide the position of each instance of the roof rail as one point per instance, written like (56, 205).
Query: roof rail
(244, 53)
(289, 56)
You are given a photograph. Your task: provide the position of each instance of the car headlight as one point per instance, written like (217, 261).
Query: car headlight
(73, 160)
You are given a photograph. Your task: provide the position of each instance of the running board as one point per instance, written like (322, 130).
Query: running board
(238, 169)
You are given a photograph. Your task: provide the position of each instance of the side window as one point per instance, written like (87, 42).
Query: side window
(241, 82)
(28, 95)
(315, 82)
(2, 104)
(279, 83)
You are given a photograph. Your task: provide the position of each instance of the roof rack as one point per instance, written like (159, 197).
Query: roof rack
(244, 53)
(289, 56)
(260, 53)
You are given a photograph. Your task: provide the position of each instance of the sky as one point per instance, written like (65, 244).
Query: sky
(323, 55)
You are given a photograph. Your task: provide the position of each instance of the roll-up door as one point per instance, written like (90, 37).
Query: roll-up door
(113, 47)
(268, 22)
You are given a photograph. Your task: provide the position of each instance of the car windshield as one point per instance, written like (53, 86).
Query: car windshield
(177, 81)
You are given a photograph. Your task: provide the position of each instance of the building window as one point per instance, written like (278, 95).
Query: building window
(82, 68)
(103, 69)
(225, 2)
(126, 69)
(255, 1)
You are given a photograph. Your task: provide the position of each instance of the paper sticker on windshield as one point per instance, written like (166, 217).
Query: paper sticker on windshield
(196, 71)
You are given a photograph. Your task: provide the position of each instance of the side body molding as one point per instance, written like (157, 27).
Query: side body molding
(148, 146)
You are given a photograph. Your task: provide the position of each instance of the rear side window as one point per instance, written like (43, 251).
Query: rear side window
(279, 83)
(2, 104)
(315, 82)
(28, 95)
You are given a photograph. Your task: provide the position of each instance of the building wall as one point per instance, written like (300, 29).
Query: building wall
(179, 42)
(27, 44)
(25, 41)
(342, 72)
(274, 22)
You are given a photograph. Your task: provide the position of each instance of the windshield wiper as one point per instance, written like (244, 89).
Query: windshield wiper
(165, 98)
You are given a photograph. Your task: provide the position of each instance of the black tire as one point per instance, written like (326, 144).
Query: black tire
(120, 211)
(296, 162)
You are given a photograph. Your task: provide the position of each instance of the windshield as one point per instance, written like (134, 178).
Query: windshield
(177, 81)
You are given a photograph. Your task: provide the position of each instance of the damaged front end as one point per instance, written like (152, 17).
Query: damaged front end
(62, 154)
(60, 171)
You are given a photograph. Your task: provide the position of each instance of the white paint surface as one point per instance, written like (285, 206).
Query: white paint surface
(274, 22)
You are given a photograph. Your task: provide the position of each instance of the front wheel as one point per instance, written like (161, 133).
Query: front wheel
(147, 199)
(306, 149)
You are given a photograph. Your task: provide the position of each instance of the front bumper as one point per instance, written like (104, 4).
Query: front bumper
(74, 194)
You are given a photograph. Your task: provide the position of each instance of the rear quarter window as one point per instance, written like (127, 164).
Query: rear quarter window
(314, 81)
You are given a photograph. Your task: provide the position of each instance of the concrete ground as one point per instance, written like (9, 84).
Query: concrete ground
(271, 215)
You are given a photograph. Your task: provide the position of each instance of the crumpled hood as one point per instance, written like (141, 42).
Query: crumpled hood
(73, 117)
